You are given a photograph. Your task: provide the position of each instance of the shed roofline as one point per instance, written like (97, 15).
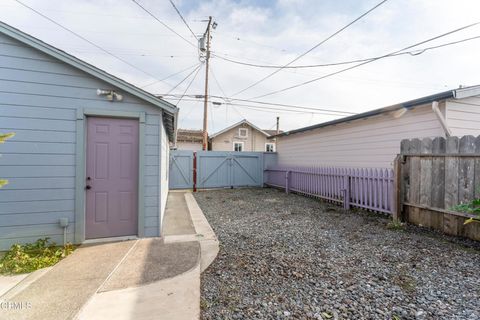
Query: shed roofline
(170, 110)
(456, 94)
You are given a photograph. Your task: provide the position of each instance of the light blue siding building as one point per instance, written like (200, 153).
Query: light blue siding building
(108, 178)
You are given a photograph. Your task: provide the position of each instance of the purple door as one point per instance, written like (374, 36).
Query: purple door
(111, 178)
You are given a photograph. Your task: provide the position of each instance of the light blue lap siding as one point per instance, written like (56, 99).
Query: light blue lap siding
(39, 100)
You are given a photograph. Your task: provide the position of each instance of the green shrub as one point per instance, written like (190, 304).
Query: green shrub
(33, 256)
(472, 207)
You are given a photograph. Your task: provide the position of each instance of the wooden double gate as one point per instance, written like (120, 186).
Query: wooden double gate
(215, 169)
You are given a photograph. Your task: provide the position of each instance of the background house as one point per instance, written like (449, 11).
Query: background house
(372, 139)
(95, 161)
(188, 139)
(243, 136)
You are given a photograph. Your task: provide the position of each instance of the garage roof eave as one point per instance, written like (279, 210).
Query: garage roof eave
(408, 104)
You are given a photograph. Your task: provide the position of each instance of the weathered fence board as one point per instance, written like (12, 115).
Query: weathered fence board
(414, 190)
(370, 189)
(467, 170)
(477, 168)
(426, 172)
(451, 173)
(437, 175)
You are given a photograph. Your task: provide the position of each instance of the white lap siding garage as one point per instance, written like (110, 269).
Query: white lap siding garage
(373, 139)
(44, 95)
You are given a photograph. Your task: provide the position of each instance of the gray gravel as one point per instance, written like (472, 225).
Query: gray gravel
(298, 258)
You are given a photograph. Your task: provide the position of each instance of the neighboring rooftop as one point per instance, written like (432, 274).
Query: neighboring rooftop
(268, 133)
(459, 93)
(189, 135)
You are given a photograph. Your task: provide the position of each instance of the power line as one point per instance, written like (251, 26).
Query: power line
(188, 87)
(228, 100)
(90, 42)
(188, 76)
(224, 98)
(313, 48)
(184, 94)
(292, 106)
(366, 62)
(412, 53)
(183, 19)
(216, 81)
(263, 108)
(172, 75)
(163, 23)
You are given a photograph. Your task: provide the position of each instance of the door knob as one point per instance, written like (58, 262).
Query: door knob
(88, 187)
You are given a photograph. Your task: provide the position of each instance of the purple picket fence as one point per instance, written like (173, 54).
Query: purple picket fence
(370, 189)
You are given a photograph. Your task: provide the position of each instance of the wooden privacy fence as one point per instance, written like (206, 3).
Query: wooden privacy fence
(370, 189)
(437, 175)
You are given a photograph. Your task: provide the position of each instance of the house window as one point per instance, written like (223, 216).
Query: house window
(238, 146)
(269, 147)
(243, 132)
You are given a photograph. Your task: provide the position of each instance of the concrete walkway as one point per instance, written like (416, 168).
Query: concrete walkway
(153, 278)
(177, 220)
(63, 290)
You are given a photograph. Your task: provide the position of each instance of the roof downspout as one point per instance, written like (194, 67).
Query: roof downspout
(441, 119)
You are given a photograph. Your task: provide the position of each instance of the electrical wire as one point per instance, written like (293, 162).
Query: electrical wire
(412, 53)
(279, 110)
(164, 24)
(188, 87)
(265, 108)
(216, 81)
(184, 94)
(366, 62)
(229, 101)
(183, 19)
(188, 76)
(167, 77)
(90, 42)
(313, 48)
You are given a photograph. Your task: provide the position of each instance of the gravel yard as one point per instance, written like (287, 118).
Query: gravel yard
(287, 256)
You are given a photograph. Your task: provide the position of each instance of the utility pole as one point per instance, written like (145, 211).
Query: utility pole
(205, 105)
(278, 125)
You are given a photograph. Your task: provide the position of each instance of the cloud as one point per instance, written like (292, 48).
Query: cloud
(268, 32)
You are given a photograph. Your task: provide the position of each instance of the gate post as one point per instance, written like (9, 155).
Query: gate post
(194, 172)
(397, 208)
(287, 182)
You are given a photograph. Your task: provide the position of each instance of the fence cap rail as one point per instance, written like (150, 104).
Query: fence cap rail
(442, 155)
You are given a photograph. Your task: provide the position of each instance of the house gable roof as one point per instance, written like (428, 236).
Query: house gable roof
(244, 121)
(170, 111)
(456, 94)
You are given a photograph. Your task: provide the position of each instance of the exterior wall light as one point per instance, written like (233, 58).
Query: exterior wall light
(110, 94)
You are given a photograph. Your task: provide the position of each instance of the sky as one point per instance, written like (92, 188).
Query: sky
(267, 33)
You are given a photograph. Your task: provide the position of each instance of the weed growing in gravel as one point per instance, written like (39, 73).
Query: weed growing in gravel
(406, 282)
(33, 256)
(203, 304)
(395, 225)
